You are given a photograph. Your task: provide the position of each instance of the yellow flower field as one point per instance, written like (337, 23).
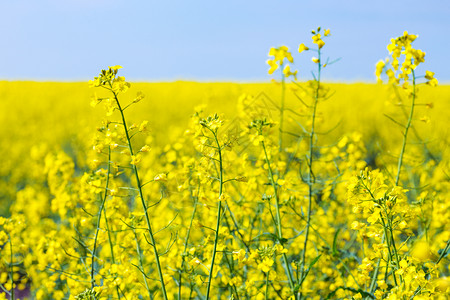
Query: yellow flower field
(293, 189)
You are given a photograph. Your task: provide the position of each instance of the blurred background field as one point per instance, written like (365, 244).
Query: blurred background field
(56, 115)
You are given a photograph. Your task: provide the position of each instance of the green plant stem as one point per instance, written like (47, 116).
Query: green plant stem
(99, 216)
(141, 195)
(219, 212)
(141, 265)
(405, 133)
(375, 274)
(111, 247)
(388, 244)
(444, 252)
(310, 174)
(186, 240)
(278, 218)
(389, 239)
(394, 248)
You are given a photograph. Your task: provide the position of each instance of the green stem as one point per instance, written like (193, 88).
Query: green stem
(219, 212)
(388, 244)
(111, 247)
(278, 218)
(99, 216)
(141, 265)
(394, 248)
(141, 195)
(405, 133)
(187, 239)
(389, 239)
(375, 276)
(310, 174)
(444, 252)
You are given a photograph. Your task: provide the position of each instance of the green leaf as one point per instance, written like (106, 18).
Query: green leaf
(335, 252)
(311, 264)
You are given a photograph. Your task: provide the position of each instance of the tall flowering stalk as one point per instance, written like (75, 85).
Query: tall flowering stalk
(212, 125)
(109, 80)
(385, 204)
(404, 74)
(317, 94)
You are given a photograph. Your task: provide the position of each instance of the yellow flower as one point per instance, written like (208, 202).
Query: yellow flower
(195, 261)
(278, 54)
(115, 68)
(429, 75)
(3, 237)
(281, 182)
(145, 148)
(287, 72)
(379, 69)
(143, 126)
(273, 66)
(442, 284)
(239, 255)
(95, 82)
(382, 284)
(272, 51)
(265, 265)
(421, 251)
(357, 225)
(161, 177)
(403, 224)
(316, 37)
(302, 48)
(139, 97)
(320, 43)
(95, 100)
(315, 60)
(425, 119)
(281, 249)
(120, 85)
(433, 82)
(135, 159)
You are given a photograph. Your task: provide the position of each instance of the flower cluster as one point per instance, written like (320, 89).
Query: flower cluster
(403, 61)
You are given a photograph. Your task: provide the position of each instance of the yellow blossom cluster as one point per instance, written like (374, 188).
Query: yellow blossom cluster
(401, 72)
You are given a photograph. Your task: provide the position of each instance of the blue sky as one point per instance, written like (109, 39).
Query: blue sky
(209, 40)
